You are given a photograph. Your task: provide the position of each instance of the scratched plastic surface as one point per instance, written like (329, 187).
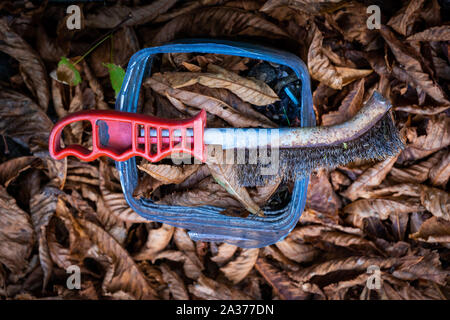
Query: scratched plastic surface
(205, 222)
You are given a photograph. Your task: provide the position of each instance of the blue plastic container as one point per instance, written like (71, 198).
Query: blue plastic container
(206, 223)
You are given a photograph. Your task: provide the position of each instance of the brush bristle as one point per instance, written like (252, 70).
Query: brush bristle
(380, 142)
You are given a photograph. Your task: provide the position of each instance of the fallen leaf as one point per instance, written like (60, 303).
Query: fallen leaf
(356, 264)
(409, 58)
(125, 275)
(157, 240)
(440, 33)
(418, 172)
(280, 282)
(43, 208)
(218, 22)
(436, 201)
(250, 90)
(440, 173)
(110, 17)
(175, 283)
(433, 230)
(191, 269)
(31, 65)
(10, 170)
(321, 196)
(225, 253)
(67, 72)
(428, 111)
(382, 208)
(404, 20)
(209, 289)
(237, 269)
(16, 235)
(116, 203)
(297, 251)
(349, 107)
(169, 173)
(324, 71)
(437, 136)
(210, 104)
(23, 120)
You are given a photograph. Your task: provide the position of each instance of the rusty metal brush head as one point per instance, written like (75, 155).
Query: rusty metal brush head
(369, 135)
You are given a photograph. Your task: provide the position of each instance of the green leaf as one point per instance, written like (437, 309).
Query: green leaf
(67, 73)
(116, 75)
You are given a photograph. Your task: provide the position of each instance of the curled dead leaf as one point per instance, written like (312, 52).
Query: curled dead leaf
(31, 65)
(16, 235)
(239, 268)
(323, 70)
(168, 173)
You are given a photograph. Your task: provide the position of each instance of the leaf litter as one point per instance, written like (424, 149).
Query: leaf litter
(392, 214)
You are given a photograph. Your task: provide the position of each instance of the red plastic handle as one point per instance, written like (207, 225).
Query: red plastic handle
(118, 135)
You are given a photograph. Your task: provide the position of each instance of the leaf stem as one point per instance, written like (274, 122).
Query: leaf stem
(99, 42)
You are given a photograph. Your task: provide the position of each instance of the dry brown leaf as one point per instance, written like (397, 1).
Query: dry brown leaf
(11, 169)
(417, 173)
(280, 282)
(109, 17)
(440, 173)
(240, 267)
(338, 290)
(185, 244)
(125, 276)
(383, 208)
(16, 235)
(427, 111)
(206, 193)
(351, 263)
(297, 251)
(263, 194)
(225, 253)
(349, 106)
(218, 22)
(157, 240)
(436, 201)
(208, 289)
(43, 208)
(324, 71)
(175, 283)
(210, 104)
(31, 66)
(115, 202)
(332, 221)
(440, 33)
(250, 90)
(191, 269)
(433, 230)
(95, 86)
(351, 21)
(412, 63)
(22, 119)
(309, 6)
(169, 173)
(225, 175)
(437, 137)
(321, 196)
(428, 267)
(404, 20)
